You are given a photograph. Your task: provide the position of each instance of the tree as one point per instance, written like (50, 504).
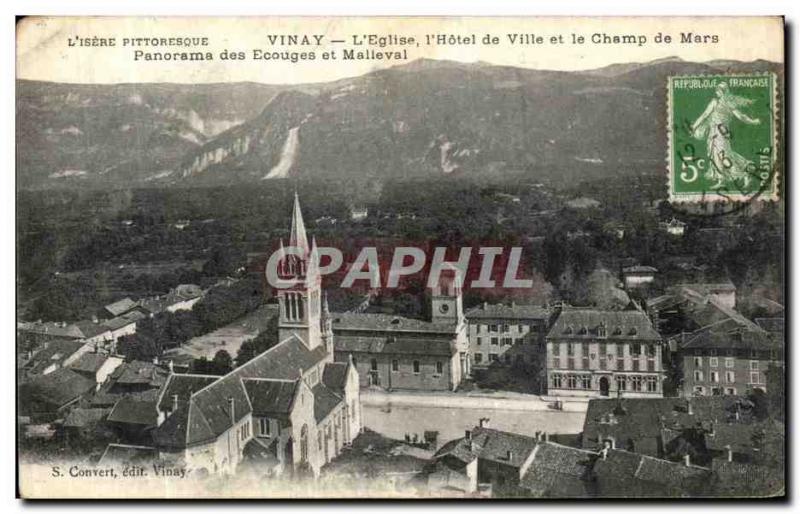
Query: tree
(222, 362)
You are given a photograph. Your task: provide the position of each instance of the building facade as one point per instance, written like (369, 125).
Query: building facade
(604, 353)
(506, 334)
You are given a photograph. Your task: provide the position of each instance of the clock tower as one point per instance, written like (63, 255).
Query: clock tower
(446, 302)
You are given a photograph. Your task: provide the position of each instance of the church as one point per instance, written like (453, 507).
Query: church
(289, 409)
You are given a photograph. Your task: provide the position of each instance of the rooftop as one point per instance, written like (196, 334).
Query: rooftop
(511, 312)
(387, 323)
(630, 324)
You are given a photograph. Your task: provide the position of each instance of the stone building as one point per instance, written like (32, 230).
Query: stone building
(289, 409)
(394, 352)
(604, 353)
(506, 334)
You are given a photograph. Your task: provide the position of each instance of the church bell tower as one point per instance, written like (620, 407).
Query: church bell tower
(300, 303)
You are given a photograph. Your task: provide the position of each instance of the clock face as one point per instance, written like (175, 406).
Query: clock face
(444, 308)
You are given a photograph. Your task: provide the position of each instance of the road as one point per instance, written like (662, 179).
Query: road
(396, 414)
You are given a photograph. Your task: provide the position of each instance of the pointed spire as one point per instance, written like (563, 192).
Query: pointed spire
(326, 312)
(298, 236)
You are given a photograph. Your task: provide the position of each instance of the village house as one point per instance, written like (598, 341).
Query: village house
(96, 366)
(637, 276)
(394, 352)
(506, 334)
(52, 356)
(49, 396)
(289, 409)
(489, 462)
(673, 227)
(604, 353)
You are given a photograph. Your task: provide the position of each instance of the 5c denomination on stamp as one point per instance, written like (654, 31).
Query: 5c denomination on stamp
(722, 138)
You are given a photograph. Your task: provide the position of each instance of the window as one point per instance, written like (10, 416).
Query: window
(396, 365)
(636, 383)
(416, 367)
(556, 380)
(373, 364)
(494, 341)
(572, 382)
(263, 427)
(492, 328)
(755, 377)
(620, 350)
(556, 363)
(505, 328)
(620, 364)
(652, 384)
(478, 328)
(651, 365)
(570, 349)
(729, 362)
(585, 349)
(730, 377)
(439, 368)
(753, 365)
(698, 362)
(651, 350)
(586, 381)
(571, 363)
(699, 390)
(714, 376)
(556, 349)
(507, 341)
(493, 357)
(478, 358)
(730, 390)
(478, 341)
(635, 363)
(636, 349)
(713, 362)
(698, 376)
(520, 328)
(622, 384)
(712, 352)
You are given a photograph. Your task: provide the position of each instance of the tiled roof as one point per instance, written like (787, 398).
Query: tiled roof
(654, 475)
(182, 385)
(335, 375)
(213, 405)
(59, 387)
(184, 292)
(387, 323)
(89, 362)
(91, 329)
(492, 445)
(120, 306)
(628, 325)
(737, 339)
(139, 372)
(639, 269)
(131, 411)
(642, 419)
(389, 344)
(283, 361)
(79, 418)
(51, 329)
(119, 322)
(746, 480)
(507, 312)
(740, 437)
(558, 471)
(271, 398)
(325, 400)
(56, 352)
(771, 324)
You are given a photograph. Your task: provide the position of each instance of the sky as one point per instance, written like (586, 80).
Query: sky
(44, 51)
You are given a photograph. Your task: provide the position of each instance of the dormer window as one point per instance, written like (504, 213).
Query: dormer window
(601, 330)
(632, 331)
(584, 330)
(617, 331)
(568, 330)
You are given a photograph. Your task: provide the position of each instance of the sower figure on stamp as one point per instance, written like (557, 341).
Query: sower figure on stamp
(714, 125)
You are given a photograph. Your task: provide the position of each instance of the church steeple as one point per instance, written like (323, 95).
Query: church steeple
(326, 325)
(298, 236)
(299, 304)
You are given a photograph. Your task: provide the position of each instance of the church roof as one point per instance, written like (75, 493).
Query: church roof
(387, 323)
(283, 361)
(271, 398)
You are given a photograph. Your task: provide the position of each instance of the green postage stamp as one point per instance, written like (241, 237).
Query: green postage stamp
(722, 137)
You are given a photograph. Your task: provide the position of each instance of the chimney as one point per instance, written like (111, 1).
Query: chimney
(604, 453)
(546, 437)
(483, 422)
(509, 455)
(485, 305)
(687, 460)
(737, 414)
(232, 409)
(537, 435)
(689, 407)
(730, 452)
(155, 360)
(171, 366)
(174, 403)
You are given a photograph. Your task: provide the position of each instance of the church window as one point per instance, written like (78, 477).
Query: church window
(416, 367)
(263, 427)
(395, 365)
(439, 368)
